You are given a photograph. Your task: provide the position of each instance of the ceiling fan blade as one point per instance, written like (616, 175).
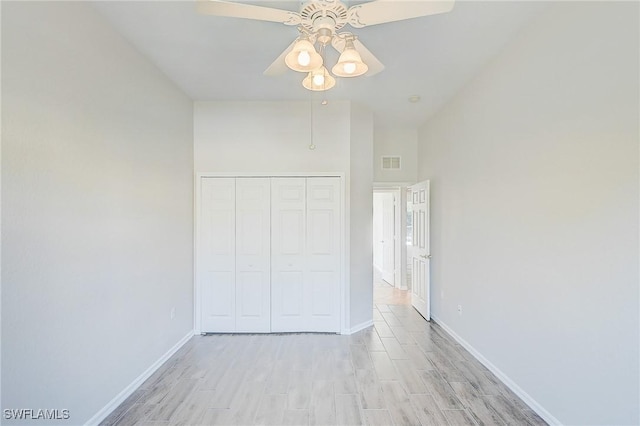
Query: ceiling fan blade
(247, 11)
(278, 66)
(382, 11)
(375, 66)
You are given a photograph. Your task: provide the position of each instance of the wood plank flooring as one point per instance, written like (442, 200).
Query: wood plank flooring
(402, 371)
(386, 294)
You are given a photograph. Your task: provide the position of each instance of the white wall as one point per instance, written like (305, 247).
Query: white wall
(97, 213)
(0, 211)
(274, 137)
(395, 140)
(270, 137)
(361, 216)
(534, 177)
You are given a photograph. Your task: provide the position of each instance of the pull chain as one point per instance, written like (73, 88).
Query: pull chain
(311, 144)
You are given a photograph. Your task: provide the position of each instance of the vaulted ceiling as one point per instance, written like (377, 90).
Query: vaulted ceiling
(222, 59)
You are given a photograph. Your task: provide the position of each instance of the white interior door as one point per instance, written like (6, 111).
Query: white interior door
(288, 223)
(305, 254)
(253, 260)
(216, 254)
(322, 283)
(420, 252)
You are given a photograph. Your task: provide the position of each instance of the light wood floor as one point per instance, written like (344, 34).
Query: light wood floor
(386, 294)
(402, 371)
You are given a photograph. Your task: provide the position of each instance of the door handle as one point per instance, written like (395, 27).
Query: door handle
(425, 256)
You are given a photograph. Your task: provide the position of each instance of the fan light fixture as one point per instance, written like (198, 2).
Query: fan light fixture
(320, 21)
(303, 57)
(350, 63)
(319, 80)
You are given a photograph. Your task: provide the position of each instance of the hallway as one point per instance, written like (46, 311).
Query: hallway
(386, 294)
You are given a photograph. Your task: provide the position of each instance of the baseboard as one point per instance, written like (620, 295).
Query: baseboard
(361, 326)
(535, 406)
(115, 402)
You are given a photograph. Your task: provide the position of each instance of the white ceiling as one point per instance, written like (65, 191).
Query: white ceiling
(216, 58)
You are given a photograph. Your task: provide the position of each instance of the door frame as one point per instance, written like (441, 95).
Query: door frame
(397, 254)
(345, 299)
(399, 189)
(380, 234)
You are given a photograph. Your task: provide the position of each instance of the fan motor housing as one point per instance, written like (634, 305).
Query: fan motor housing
(323, 14)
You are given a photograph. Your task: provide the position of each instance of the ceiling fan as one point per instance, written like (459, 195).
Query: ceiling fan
(319, 22)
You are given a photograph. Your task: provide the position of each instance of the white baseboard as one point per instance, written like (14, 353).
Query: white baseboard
(115, 402)
(535, 406)
(361, 326)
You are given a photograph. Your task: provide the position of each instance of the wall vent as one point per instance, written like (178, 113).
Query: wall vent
(391, 163)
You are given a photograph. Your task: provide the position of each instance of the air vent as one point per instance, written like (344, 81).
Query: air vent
(391, 163)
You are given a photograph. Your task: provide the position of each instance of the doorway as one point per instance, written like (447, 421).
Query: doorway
(389, 246)
(384, 236)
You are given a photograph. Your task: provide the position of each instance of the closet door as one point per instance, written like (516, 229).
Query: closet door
(305, 254)
(323, 254)
(252, 290)
(216, 254)
(289, 300)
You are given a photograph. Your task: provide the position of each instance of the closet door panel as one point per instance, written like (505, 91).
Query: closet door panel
(216, 254)
(322, 300)
(323, 254)
(290, 294)
(253, 228)
(269, 254)
(288, 222)
(249, 297)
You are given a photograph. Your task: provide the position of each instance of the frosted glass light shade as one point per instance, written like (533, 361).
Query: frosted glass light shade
(319, 80)
(350, 63)
(303, 57)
